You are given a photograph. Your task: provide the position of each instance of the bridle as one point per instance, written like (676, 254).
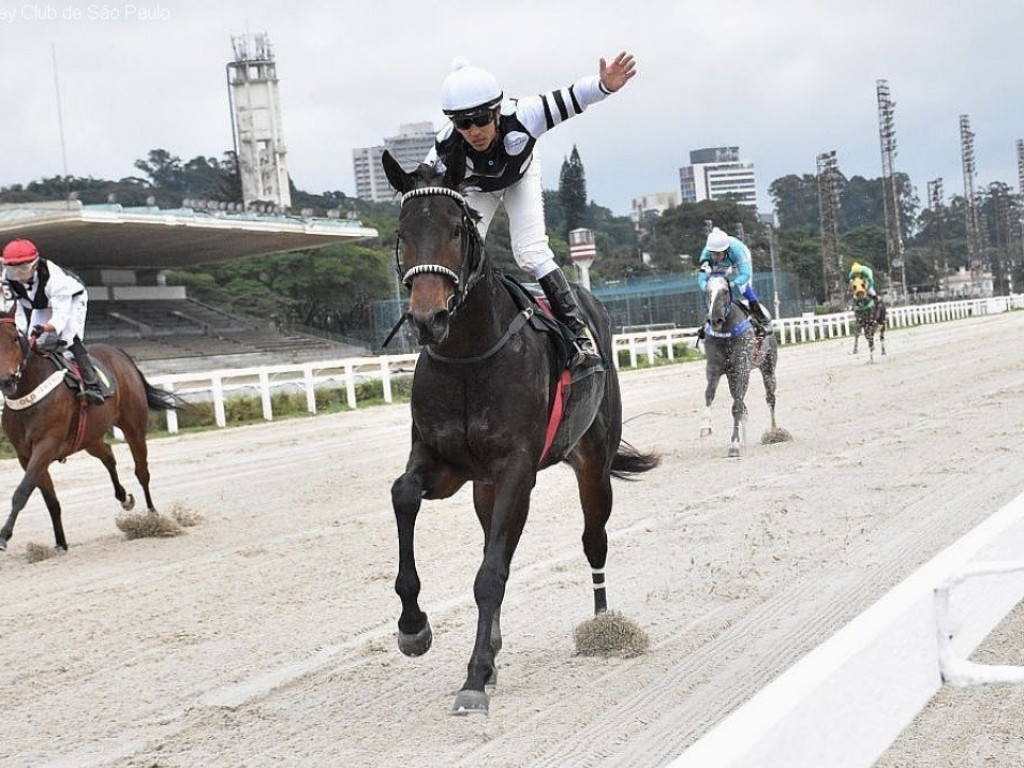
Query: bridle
(22, 342)
(471, 262)
(471, 259)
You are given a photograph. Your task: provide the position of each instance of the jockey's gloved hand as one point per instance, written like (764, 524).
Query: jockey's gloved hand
(37, 330)
(47, 341)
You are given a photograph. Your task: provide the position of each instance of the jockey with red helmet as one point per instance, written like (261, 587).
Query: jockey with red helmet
(53, 303)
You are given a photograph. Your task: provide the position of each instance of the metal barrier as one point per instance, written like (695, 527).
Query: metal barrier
(653, 345)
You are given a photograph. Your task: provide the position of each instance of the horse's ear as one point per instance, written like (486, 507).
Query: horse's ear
(397, 177)
(455, 168)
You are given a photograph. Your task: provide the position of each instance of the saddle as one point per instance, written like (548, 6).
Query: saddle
(73, 376)
(541, 319)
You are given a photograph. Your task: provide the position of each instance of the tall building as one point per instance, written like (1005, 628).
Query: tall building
(409, 147)
(656, 203)
(717, 173)
(256, 121)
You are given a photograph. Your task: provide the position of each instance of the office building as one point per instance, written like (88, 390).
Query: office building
(718, 173)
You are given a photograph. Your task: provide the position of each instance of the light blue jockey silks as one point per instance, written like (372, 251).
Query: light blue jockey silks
(736, 256)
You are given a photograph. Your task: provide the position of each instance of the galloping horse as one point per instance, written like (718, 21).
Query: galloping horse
(869, 314)
(45, 422)
(482, 394)
(732, 349)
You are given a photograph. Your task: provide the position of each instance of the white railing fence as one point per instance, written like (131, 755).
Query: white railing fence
(218, 385)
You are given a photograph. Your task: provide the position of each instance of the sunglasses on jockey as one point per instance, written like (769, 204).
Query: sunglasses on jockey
(479, 119)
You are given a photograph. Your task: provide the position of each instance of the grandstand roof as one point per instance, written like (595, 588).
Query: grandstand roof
(115, 237)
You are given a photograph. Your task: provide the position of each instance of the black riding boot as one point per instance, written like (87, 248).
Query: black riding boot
(759, 317)
(92, 391)
(565, 308)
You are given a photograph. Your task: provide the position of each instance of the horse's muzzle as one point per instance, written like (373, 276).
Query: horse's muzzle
(8, 386)
(432, 327)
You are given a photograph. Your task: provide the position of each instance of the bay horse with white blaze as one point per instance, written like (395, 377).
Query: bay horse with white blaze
(45, 422)
(482, 393)
(732, 349)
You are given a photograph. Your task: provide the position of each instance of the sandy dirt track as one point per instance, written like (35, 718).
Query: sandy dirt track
(265, 636)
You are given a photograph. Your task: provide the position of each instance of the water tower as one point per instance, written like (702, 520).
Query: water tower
(583, 252)
(256, 122)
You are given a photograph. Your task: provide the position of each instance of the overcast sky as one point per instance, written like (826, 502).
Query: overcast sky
(784, 81)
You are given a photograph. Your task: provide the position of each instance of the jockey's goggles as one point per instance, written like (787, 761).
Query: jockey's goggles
(21, 272)
(479, 119)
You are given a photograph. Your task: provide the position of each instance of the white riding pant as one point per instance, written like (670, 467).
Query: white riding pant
(524, 204)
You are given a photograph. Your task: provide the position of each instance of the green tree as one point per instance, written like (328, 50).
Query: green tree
(572, 189)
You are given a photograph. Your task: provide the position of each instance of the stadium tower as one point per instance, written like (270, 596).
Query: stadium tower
(256, 123)
(971, 217)
(890, 192)
(938, 220)
(828, 210)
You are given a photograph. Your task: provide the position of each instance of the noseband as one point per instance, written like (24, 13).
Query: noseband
(471, 263)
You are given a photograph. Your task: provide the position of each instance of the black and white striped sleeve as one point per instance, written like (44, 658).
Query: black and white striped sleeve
(539, 114)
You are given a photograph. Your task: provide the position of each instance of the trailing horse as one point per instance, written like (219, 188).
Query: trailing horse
(486, 398)
(870, 314)
(731, 349)
(45, 422)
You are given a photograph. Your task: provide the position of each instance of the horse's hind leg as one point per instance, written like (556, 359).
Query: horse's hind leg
(136, 439)
(105, 454)
(596, 499)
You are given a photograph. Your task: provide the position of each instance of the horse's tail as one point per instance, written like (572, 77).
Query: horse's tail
(157, 399)
(160, 399)
(629, 462)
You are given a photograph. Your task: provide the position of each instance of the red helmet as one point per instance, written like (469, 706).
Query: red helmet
(19, 252)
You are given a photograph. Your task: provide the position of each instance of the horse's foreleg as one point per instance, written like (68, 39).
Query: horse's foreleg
(53, 507)
(709, 398)
(856, 338)
(414, 635)
(508, 517)
(483, 504)
(738, 381)
(29, 482)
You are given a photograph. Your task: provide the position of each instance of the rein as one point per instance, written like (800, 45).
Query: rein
(471, 263)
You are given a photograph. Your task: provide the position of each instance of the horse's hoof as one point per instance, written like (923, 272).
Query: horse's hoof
(418, 644)
(470, 703)
(705, 431)
(492, 681)
(734, 451)
(3, 545)
(128, 504)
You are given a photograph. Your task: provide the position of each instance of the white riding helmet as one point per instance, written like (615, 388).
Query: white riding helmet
(717, 240)
(468, 88)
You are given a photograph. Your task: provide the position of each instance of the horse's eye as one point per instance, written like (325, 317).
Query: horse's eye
(457, 232)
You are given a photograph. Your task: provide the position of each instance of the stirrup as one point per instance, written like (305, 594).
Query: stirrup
(584, 355)
(92, 394)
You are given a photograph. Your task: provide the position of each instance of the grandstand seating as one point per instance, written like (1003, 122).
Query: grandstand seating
(181, 334)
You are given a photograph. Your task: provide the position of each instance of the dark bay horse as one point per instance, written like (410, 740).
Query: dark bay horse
(481, 396)
(732, 350)
(45, 422)
(870, 315)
